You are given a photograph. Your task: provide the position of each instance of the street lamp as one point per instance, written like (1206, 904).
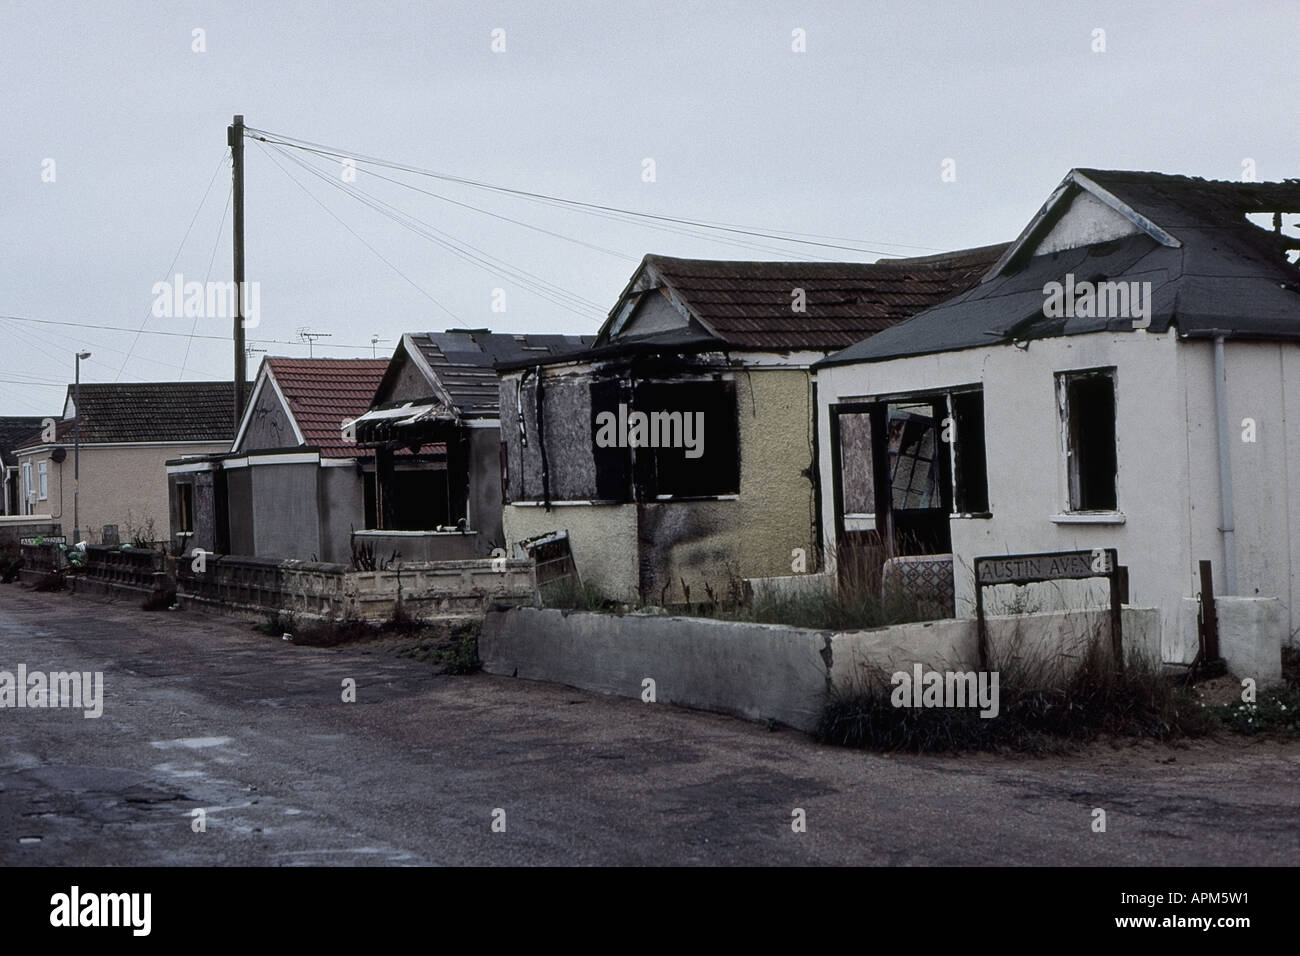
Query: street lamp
(76, 448)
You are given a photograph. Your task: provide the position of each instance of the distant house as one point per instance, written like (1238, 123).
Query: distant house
(15, 430)
(678, 451)
(128, 431)
(1126, 375)
(435, 431)
(290, 486)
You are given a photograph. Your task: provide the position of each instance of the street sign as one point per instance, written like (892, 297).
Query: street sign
(1050, 566)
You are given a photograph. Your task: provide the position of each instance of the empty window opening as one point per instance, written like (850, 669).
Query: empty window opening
(185, 508)
(1087, 402)
(970, 466)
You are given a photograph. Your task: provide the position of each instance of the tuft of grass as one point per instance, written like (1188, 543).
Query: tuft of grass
(462, 657)
(1047, 704)
(567, 594)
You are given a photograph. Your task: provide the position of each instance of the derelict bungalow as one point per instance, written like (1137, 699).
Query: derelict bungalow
(290, 486)
(1126, 375)
(433, 428)
(678, 451)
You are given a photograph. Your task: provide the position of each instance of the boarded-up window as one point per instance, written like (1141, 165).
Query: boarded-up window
(612, 463)
(857, 463)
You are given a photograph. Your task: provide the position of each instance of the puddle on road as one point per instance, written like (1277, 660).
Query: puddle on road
(191, 743)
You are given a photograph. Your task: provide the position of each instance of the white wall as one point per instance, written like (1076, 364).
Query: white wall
(1168, 483)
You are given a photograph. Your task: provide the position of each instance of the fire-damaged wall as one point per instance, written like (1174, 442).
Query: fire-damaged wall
(633, 543)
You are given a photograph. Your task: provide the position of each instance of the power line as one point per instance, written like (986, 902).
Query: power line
(493, 264)
(485, 259)
(376, 252)
(175, 258)
(322, 149)
(118, 328)
(221, 226)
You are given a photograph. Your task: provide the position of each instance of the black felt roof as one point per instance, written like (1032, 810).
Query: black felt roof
(1228, 276)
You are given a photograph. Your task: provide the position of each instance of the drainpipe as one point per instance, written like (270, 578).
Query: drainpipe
(1225, 469)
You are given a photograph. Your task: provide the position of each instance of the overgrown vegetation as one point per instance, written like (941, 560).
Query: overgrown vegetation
(1047, 704)
(1275, 710)
(567, 594)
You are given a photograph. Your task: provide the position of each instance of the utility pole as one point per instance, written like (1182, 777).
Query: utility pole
(76, 452)
(235, 139)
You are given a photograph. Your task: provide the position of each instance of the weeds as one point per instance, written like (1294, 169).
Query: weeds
(1048, 704)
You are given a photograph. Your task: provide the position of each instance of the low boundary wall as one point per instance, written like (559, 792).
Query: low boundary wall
(763, 671)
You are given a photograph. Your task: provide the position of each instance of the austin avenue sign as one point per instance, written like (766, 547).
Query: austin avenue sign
(1049, 566)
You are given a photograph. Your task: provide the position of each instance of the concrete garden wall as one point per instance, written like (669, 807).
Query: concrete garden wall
(761, 671)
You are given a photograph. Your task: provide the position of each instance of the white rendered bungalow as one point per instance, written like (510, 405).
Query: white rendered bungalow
(1127, 375)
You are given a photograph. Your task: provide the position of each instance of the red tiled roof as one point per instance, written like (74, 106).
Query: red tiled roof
(324, 393)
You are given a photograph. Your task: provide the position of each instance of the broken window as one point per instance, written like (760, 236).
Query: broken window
(1086, 402)
(914, 452)
(970, 467)
(691, 447)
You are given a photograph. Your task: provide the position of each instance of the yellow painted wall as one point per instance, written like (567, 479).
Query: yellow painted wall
(603, 539)
(695, 541)
(122, 486)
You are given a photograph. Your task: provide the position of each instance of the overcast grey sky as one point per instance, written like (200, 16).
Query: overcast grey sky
(847, 139)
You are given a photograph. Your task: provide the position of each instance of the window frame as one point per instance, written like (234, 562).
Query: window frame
(1072, 474)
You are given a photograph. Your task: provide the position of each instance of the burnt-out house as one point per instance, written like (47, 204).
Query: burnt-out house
(434, 431)
(1126, 376)
(678, 452)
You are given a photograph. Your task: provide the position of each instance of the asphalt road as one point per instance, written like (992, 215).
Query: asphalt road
(201, 712)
